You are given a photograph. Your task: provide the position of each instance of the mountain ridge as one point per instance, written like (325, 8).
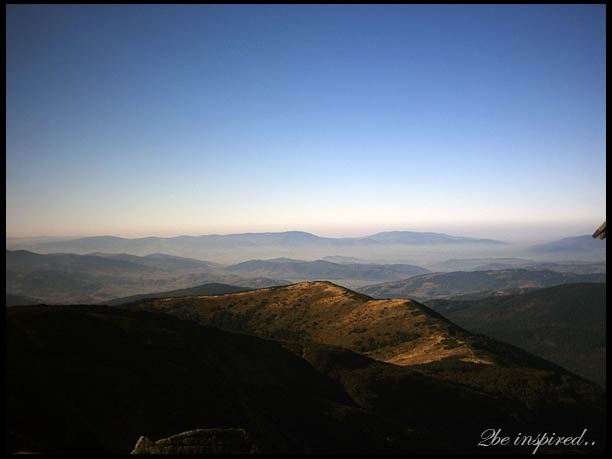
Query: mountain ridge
(584, 244)
(72, 278)
(397, 331)
(299, 270)
(446, 284)
(198, 290)
(179, 245)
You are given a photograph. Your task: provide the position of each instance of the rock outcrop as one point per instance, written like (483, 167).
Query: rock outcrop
(199, 441)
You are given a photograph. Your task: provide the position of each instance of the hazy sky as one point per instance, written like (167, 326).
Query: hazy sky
(164, 120)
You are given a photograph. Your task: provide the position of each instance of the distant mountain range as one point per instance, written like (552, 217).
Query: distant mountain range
(101, 277)
(422, 238)
(573, 245)
(488, 264)
(565, 324)
(323, 270)
(182, 245)
(345, 260)
(161, 261)
(480, 264)
(70, 278)
(440, 285)
(96, 277)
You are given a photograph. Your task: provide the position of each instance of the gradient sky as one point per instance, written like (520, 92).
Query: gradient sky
(165, 120)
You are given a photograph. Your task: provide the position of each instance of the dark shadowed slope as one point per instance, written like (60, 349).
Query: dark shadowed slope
(96, 379)
(18, 300)
(565, 324)
(439, 285)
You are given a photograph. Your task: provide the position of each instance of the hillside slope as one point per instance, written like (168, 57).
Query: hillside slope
(205, 289)
(70, 278)
(489, 264)
(324, 270)
(565, 324)
(398, 331)
(440, 285)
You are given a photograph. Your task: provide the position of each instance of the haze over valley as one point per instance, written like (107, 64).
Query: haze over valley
(105, 268)
(407, 247)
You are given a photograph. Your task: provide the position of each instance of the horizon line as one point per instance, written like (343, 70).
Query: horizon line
(75, 237)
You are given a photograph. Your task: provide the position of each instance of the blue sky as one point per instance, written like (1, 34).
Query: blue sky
(165, 120)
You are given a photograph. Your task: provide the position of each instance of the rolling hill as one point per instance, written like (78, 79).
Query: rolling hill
(476, 264)
(440, 285)
(396, 331)
(565, 324)
(581, 246)
(298, 270)
(70, 278)
(206, 289)
(22, 261)
(168, 263)
(488, 264)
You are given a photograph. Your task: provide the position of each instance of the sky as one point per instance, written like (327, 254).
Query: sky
(339, 120)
